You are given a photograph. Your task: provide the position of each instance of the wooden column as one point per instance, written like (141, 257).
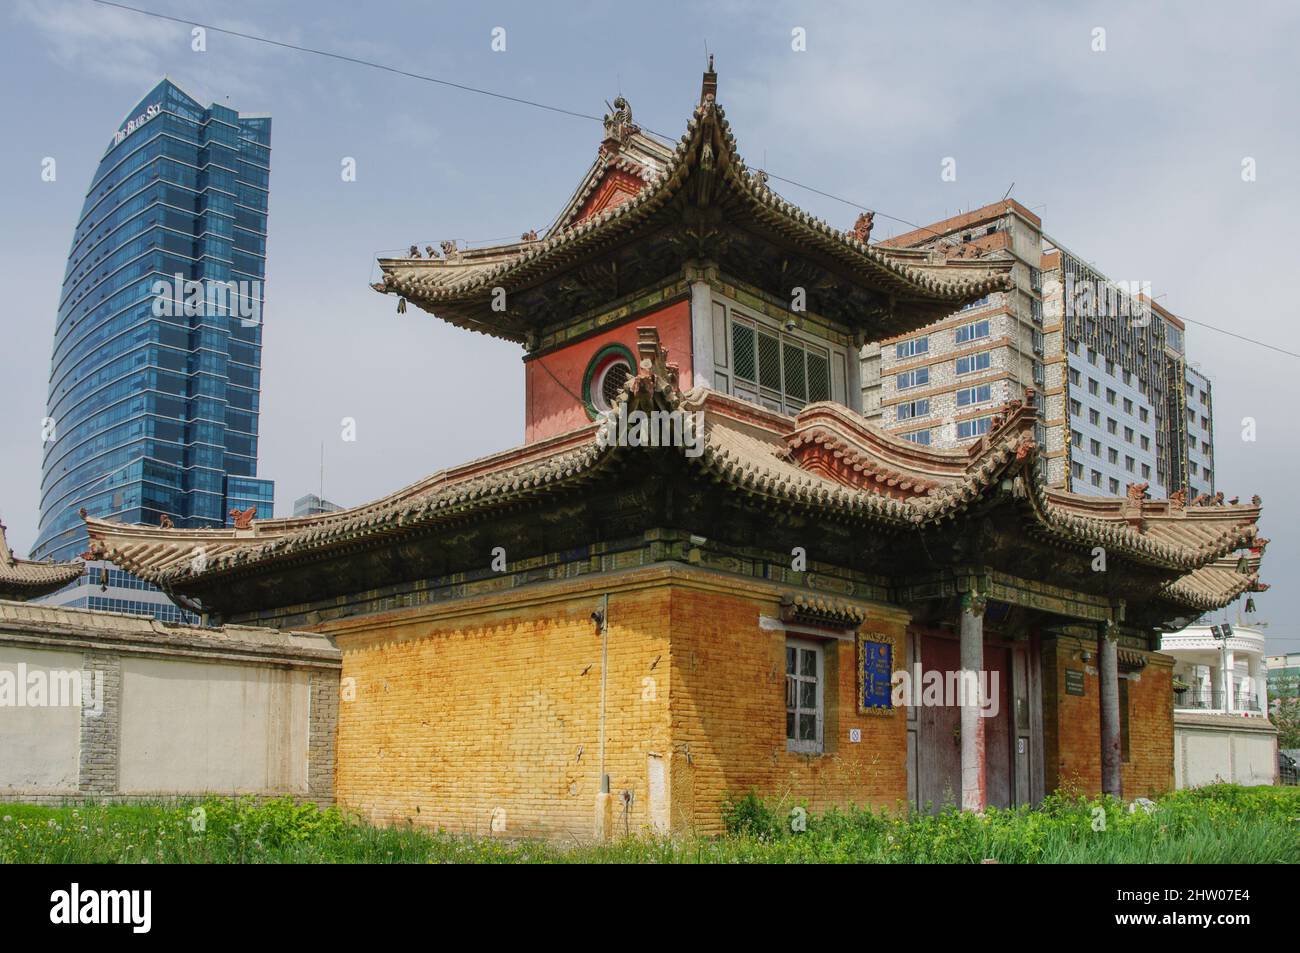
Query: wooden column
(1108, 676)
(974, 790)
(698, 275)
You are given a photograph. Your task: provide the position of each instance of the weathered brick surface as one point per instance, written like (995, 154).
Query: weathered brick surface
(457, 713)
(494, 709)
(322, 734)
(728, 716)
(498, 713)
(1072, 723)
(1150, 768)
(101, 723)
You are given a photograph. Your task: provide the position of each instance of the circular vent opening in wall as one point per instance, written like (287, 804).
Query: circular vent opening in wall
(608, 371)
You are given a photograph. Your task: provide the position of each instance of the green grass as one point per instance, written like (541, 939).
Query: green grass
(1219, 824)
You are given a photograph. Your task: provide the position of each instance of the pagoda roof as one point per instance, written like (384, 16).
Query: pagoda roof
(1218, 583)
(826, 463)
(697, 190)
(29, 578)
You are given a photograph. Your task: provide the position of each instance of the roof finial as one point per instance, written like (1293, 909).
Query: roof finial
(619, 127)
(709, 89)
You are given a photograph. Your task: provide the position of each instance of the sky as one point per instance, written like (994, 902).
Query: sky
(1132, 155)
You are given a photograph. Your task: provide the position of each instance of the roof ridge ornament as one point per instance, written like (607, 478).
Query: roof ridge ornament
(709, 84)
(243, 519)
(862, 227)
(619, 127)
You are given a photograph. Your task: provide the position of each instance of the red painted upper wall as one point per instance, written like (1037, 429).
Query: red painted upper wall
(615, 188)
(553, 401)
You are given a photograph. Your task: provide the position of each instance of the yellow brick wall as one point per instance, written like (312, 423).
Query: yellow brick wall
(449, 714)
(499, 710)
(1150, 768)
(1072, 723)
(728, 715)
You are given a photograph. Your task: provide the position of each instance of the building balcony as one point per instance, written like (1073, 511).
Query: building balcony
(1211, 701)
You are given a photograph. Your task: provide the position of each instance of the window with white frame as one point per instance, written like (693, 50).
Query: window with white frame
(914, 378)
(973, 331)
(912, 408)
(781, 368)
(974, 362)
(776, 369)
(973, 428)
(804, 707)
(918, 436)
(912, 348)
(974, 395)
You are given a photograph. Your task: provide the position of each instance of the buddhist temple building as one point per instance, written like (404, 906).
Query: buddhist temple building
(705, 572)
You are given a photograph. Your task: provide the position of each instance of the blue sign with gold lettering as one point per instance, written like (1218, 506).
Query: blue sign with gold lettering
(875, 672)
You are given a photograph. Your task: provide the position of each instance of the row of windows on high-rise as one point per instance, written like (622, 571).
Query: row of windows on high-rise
(1112, 425)
(965, 333)
(160, 611)
(1095, 478)
(1112, 398)
(1111, 454)
(965, 430)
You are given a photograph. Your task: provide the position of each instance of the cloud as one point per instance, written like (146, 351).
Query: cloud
(98, 42)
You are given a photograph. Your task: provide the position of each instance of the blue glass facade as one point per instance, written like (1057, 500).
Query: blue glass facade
(155, 379)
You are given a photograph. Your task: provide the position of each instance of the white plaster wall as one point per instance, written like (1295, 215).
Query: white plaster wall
(1255, 758)
(1206, 756)
(39, 747)
(191, 727)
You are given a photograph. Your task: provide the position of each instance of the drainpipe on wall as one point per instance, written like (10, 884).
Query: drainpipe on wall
(604, 805)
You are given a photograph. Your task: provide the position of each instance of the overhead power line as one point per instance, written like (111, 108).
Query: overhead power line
(576, 114)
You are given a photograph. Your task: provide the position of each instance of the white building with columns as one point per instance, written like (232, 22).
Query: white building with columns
(1221, 726)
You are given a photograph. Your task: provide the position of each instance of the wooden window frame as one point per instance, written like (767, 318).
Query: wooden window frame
(795, 745)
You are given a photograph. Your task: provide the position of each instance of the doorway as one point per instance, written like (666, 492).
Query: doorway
(934, 735)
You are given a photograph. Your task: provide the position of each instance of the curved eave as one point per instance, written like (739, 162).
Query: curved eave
(1211, 588)
(32, 579)
(1071, 528)
(458, 289)
(734, 455)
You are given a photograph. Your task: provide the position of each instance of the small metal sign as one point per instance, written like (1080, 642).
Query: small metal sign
(1074, 681)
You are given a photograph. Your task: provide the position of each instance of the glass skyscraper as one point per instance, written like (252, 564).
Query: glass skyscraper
(155, 379)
